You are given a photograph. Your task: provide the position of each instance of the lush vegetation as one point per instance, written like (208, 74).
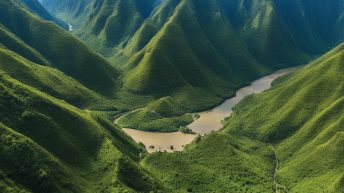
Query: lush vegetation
(47, 144)
(302, 117)
(199, 43)
(186, 130)
(215, 163)
(36, 7)
(60, 48)
(58, 97)
(198, 51)
(164, 115)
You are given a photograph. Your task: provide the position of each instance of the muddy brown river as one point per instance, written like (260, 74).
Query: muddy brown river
(209, 120)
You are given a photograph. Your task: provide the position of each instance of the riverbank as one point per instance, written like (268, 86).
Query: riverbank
(208, 121)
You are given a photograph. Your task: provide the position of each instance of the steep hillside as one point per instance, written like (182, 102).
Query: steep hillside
(183, 53)
(50, 81)
(299, 123)
(44, 41)
(202, 49)
(106, 25)
(163, 115)
(304, 118)
(174, 56)
(197, 56)
(316, 87)
(215, 163)
(38, 9)
(10, 41)
(315, 24)
(48, 145)
(290, 24)
(114, 22)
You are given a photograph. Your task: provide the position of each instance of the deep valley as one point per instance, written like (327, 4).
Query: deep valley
(203, 96)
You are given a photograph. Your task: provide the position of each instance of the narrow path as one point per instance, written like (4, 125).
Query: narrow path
(118, 118)
(277, 185)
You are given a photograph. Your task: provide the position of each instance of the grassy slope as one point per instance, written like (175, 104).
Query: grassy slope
(198, 51)
(52, 82)
(199, 64)
(45, 78)
(164, 115)
(48, 145)
(74, 58)
(189, 55)
(11, 42)
(264, 32)
(38, 9)
(187, 51)
(112, 25)
(150, 27)
(106, 25)
(216, 163)
(321, 31)
(302, 116)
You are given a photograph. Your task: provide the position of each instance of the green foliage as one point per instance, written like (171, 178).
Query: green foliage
(197, 52)
(164, 115)
(73, 58)
(216, 163)
(200, 51)
(186, 130)
(46, 79)
(8, 186)
(37, 8)
(310, 92)
(48, 145)
(302, 116)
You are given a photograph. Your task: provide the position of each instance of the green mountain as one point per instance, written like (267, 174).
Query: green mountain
(199, 52)
(36, 7)
(201, 49)
(47, 144)
(299, 123)
(304, 119)
(162, 115)
(167, 58)
(313, 27)
(44, 42)
(106, 25)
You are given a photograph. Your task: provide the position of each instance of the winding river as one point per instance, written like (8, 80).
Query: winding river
(209, 120)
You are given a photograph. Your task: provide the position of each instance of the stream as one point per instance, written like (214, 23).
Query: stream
(209, 120)
(70, 27)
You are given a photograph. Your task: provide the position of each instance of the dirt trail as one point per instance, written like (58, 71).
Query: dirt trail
(278, 186)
